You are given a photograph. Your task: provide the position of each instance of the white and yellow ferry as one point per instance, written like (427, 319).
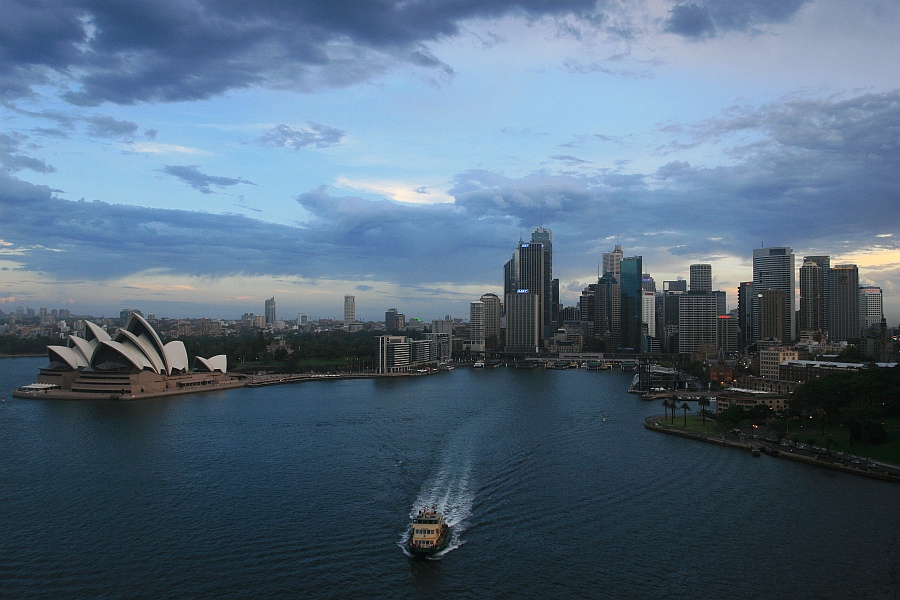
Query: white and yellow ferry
(429, 534)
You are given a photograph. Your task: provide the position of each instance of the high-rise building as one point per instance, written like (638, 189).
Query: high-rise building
(678, 285)
(815, 279)
(612, 260)
(492, 313)
(773, 269)
(748, 316)
(871, 310)
(771, 315)
(270, 311)
(476, 326)
(648, 312)
(631, 269)
(394, 320)
(549, 303)
(701, 278)
(608, 312)
(647, 283)
(844, 322)
(727, 334)
(523, 317)
(349, 309)
(530, 270)
(696, 321)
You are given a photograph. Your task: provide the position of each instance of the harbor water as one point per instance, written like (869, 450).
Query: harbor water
(551, 484)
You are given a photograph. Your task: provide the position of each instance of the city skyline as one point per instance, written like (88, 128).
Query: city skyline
(194, 160)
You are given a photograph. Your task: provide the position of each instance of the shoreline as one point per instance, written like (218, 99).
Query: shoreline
(763, 447)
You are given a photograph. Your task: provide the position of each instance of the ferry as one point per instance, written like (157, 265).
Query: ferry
(429, 535)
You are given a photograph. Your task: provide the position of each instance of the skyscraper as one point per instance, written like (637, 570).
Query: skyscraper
(394, 320)
(871, 310)
(530, 271)
(549, 304)
(349, 309)
(631, 269)
(476, 326)
(696, 321)
(701, 278)
(523, 317)
(815, 279)
(270, 311)
(492, 310)
(773, 269)
(844, 322)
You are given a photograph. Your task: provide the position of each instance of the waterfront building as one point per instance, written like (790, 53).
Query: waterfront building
(696, 321)
(531, 269)
(476, 326)
(701, 278)
(549, 291)
(523, 317)
(773, 269)
(132, 363)
(349, 309)
(871, 311)
(400, 354)
(442, 343)
(270, 311)
(493, 309)
(844, 303)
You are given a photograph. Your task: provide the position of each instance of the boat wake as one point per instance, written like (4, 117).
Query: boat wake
(449, 491)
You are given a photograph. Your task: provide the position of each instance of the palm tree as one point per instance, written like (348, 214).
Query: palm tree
(685, 407)
(666, 406)
(703, 403)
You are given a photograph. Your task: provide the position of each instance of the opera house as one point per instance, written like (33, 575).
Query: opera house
(130, 365)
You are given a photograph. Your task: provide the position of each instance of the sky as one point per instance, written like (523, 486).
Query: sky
(194, 158)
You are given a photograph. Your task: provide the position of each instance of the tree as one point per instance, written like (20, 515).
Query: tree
(685, 407)
(666, 405)
(703, 403)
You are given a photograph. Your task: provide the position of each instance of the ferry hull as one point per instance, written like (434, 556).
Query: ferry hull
(418, 551)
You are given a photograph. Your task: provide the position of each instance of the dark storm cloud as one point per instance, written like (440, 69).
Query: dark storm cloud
(169, 50)
(820, 175)
(285, 136)
(191, 175)
(707, 18)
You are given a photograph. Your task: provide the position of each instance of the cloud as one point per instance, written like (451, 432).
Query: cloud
(818, 175)
(191, 175)
(150, 51)
(11, 161)
(707, 18)
(285, 136)
(108, 127)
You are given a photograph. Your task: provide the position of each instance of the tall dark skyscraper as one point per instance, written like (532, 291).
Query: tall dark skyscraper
(531, 269)
(815, 288)
(631, 270)
(549, 304)
(844, 322)
(270, 311)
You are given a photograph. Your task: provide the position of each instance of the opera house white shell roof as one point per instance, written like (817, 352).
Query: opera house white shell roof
(136, 345)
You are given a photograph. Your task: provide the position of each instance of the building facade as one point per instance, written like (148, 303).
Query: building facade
(349, 309)
(773, 269)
